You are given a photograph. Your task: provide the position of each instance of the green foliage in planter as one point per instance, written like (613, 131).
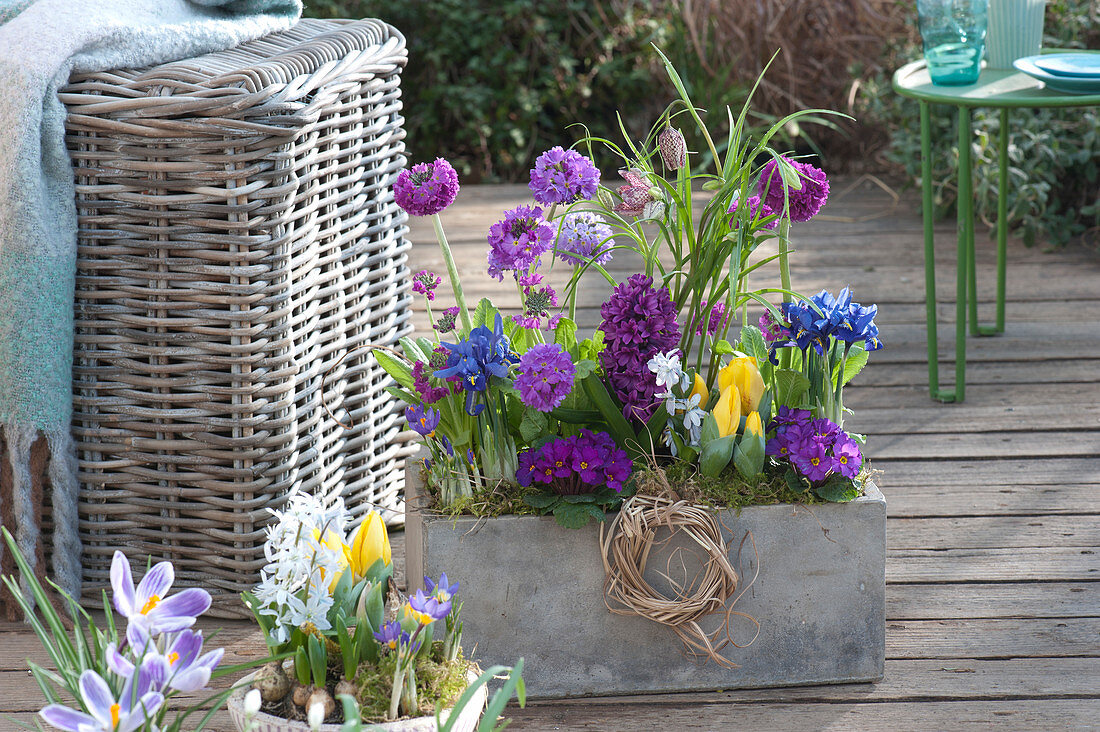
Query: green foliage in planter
(1054, 155)
(489, 85)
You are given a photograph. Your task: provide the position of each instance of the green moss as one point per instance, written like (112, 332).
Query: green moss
(436, 684)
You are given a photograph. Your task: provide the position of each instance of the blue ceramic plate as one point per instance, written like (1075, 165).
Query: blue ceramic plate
(1070, 64)
(1066, 84)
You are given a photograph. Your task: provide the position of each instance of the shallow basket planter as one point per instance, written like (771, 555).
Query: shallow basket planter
(467, 719)
(535, 590)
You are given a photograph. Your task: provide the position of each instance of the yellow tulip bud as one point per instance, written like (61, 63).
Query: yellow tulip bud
(743, 373)
(334, 542)
(370, 544)
(700, 388)
(727, 412)
(753, 425)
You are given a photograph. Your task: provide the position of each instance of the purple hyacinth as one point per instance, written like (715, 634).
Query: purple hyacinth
(584, 236)
(576, 465)
(804, 202)
(426, 188)
(518, 240)
(545, 376)
(563, 176)
(758, 210)
(638, 322)
(714, 321)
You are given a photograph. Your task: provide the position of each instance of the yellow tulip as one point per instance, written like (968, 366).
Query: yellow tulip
(753, 425)
(727, 412)
(336, 544)
(370, 544)
(700, 388)
(743, 373)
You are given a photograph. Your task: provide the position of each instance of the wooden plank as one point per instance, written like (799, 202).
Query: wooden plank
(993, 600)
(616, 716)
(986, 565)
(899, 399)
(976, 500)
(940, 447)
(992, 532)
(966, 473)
(993, 638)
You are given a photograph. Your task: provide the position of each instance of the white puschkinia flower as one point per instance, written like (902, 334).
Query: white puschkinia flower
(666, 438)
(667, 368)
(693, 421)
(252, 703)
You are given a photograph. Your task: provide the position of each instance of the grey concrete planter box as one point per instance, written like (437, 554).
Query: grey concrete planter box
(532, 589)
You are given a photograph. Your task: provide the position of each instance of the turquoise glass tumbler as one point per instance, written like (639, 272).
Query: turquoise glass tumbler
(953, 34)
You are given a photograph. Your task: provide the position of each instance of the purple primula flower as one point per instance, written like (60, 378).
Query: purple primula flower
(759, 211)
(545, 376)
(812, 459)
(430, 394)
(132, 710)
(391, 635)
(575, 465)
(588, 462)
(563, 176)
(527, 464)
(846, 456)
(425, 282)
(441, 590)
(148, 606)
(425, 609)
(447, 320)
(804, 202)
(583, 236)
(426, 188)
(422, 420)
(638, 322)
(518, 240)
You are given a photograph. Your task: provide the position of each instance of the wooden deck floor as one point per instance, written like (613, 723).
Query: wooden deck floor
(993, 576)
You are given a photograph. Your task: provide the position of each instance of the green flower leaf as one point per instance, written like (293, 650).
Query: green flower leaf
(396, 368)
(789, 387)
(723, 348)
(534, 425)
(837, 489)
(485, 314)
(753, 344)
(715, 455)
(541, 500)
(572, 515)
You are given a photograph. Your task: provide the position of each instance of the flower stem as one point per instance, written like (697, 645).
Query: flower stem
(452, 272)
(784, 276)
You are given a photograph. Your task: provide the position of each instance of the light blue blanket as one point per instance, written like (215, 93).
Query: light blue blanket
(41, 43)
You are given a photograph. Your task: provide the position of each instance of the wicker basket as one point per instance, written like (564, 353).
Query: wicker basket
(238, 239)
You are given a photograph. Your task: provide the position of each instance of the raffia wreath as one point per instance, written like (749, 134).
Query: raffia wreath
(626, 547)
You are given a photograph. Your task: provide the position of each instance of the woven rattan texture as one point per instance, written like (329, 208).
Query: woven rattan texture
(238, 237)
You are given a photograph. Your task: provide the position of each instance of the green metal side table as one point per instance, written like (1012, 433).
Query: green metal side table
(998, 89)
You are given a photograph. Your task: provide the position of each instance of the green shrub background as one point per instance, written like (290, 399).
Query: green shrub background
(490, 85)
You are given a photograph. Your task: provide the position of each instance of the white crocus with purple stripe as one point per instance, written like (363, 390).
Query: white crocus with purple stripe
(132, 710)
(147, 606)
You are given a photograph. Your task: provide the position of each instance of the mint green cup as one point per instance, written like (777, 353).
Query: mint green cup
(953, 35)
(1015, 31)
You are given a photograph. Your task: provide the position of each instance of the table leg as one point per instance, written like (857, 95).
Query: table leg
(966, 257)
(1002, 220)
(930, 256)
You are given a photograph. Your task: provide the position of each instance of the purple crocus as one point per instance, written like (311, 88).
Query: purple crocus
(545, 376)
(391, 635)
(441, 590)
(563, 176)
(426, 188)
(147, 606)
(805, 202)
(422, 420)
(425, 609)
(134, 707)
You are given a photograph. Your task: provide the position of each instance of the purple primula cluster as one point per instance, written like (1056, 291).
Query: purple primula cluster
(815, 447)
(160, 655)
(545, 376)
(447, 320)
(426, 188)
(576, 465)
(825, 317)
(484, 354)
(425, 282)
(583, 236)
(563, 176)
(518, 240)
(804, 202)
(428, 394)
(536, 305)
(712, 320)
(758, 210)
(638, 322)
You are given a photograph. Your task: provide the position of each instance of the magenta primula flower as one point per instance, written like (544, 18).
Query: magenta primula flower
(804, 202)
(426, 188)
(518, 240)
(148, 606)
(131, 711)
(563, 176)
(545, 376)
